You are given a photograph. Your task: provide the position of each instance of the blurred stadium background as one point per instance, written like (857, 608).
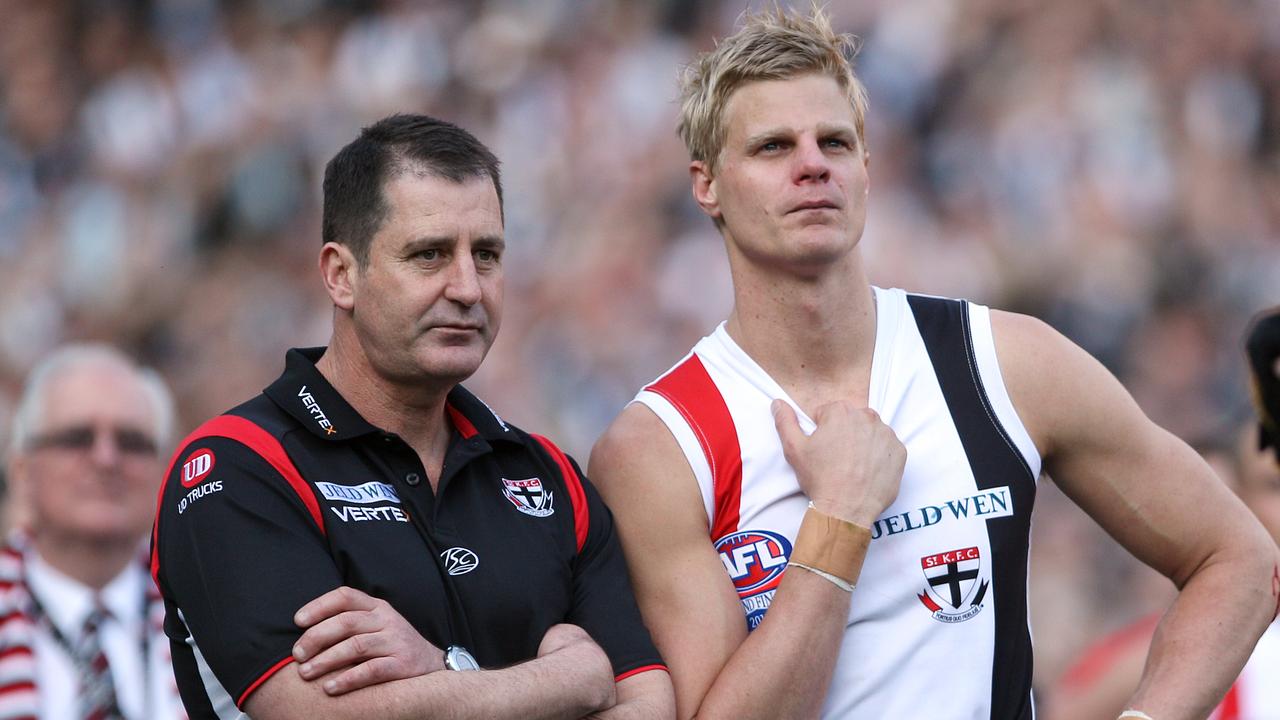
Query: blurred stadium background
(1112, 166)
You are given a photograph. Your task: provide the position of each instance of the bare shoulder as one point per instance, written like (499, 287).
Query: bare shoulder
(1058, 388)
(637, 434)
(638, 455)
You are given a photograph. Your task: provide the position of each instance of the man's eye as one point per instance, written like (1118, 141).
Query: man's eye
(486, 256)
(429, 254)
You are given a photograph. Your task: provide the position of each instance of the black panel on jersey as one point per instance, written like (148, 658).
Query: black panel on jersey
(996, 462)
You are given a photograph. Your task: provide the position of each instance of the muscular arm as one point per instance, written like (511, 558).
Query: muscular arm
(1154, 495)
(783, 668)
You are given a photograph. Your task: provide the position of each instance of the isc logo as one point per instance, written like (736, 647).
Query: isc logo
(197, 467)
(754, 559)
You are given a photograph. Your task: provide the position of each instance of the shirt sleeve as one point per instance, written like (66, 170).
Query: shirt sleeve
(603, 602)
(239, 548)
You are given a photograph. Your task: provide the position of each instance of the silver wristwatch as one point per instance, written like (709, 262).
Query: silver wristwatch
(457, 658)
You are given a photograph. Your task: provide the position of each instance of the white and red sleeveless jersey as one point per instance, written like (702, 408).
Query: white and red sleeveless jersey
(938, 622)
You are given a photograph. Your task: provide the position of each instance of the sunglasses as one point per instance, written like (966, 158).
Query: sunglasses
(80, 438)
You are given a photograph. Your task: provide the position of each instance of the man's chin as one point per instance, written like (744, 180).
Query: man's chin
(452, 365)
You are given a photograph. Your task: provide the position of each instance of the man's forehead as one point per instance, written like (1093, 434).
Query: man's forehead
(804, 100)
(96, 391)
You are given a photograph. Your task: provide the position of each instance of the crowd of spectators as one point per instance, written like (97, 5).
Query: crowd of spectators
(1111, 166)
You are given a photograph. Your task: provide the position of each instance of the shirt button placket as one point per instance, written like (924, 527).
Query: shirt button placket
(413, 479)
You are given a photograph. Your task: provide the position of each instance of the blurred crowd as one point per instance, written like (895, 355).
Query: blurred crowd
(1111, 166)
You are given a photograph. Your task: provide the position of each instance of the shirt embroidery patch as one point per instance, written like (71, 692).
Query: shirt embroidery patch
(954, 588)
(529, 496)
(368, 493)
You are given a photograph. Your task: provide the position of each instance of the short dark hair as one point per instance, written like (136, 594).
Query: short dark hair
(354, 204)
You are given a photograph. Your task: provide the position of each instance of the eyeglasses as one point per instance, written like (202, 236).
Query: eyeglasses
(80, 438)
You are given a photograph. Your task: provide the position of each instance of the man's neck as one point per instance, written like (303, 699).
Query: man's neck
(93, 562)
(807, 332)
(415, 412)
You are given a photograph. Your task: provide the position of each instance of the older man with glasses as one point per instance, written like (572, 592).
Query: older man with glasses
(80, 621)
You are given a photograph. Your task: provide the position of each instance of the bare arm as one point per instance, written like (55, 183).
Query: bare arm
(647, 696)
(783, 668)
(1154, 495)
(570, 678)
(354, 641)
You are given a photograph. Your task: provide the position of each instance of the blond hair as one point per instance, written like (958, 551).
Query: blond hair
(770, 45)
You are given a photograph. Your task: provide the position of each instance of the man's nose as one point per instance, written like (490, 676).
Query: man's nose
(464, 281)
(811, 164)
(105, 451)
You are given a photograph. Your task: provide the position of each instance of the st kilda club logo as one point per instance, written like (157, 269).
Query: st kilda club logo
(954, 588)
(529, 496)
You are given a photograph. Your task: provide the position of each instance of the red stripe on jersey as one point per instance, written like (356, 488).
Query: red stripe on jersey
(577, 496)
(24, 685)
(461, 422)
(692, 392)
(270, 671)
(637, 671)
(15, 650)
(247, 433)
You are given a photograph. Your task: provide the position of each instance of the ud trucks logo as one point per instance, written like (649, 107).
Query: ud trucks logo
(529, 496)
(755, 561)
(197, 467)
(954, 589)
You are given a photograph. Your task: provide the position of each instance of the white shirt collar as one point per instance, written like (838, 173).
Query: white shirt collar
(67, 602)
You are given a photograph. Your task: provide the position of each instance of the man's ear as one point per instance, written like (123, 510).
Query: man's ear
(339, 269)
(704, 188)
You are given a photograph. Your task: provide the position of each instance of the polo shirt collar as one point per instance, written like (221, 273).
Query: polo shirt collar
(304, 393)
(472, 417)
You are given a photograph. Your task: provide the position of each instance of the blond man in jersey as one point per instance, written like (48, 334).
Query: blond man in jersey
(832, 434)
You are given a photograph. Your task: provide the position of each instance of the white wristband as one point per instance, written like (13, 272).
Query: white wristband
(1134, 715)
(838, 582)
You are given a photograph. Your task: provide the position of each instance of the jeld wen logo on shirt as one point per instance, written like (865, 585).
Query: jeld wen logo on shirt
(985, 505)
(365, 494)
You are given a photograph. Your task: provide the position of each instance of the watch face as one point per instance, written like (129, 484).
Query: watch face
(457, 658)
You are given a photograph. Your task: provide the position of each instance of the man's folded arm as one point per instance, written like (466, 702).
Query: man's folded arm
(569, 682)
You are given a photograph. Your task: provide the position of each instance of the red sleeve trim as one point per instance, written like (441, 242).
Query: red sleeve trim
(246, 432)
(692, 392)
(270, 671)
(637, 671)
(577, 496)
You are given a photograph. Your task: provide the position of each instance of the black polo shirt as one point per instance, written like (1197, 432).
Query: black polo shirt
(293, 494)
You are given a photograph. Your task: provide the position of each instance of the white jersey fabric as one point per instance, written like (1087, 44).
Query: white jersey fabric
(938, 621)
